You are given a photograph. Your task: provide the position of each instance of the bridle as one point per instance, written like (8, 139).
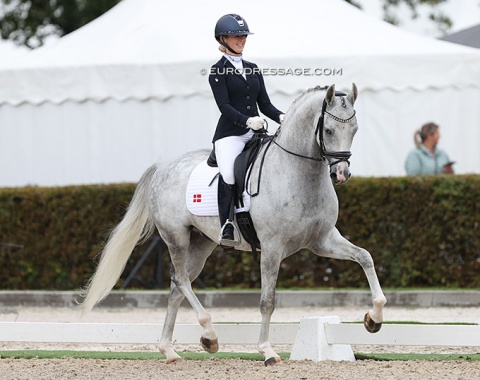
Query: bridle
(326, 156)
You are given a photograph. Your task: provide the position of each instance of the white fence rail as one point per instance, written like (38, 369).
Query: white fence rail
(137, 333)
(405, 335)
(319, 338)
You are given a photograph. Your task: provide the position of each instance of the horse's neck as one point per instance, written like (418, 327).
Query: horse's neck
(308, 171)
(286, 176)
(298, 134)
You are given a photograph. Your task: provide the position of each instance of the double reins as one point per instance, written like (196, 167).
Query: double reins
(325, 155)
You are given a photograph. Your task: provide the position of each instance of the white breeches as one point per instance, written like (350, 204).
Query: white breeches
(226, 151)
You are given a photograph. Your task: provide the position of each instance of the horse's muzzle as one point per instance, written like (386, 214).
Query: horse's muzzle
(339, 172)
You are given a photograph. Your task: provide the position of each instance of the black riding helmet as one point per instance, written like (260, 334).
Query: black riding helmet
(231, 24)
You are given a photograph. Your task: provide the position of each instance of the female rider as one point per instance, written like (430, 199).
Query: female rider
(239, 91)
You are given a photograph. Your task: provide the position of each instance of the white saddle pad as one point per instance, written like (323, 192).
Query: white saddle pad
(201, 196)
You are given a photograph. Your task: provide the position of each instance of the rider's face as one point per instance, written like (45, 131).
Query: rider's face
(236, 42)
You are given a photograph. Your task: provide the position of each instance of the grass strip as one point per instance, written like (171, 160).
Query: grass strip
(430, 357)
(108, 355)
(418, 323)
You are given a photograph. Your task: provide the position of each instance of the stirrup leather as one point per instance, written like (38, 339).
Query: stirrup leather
(227, 242)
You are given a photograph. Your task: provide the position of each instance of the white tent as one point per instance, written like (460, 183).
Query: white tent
(10, 53)
(128, 89)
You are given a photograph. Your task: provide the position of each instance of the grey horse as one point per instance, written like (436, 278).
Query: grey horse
(296, 208)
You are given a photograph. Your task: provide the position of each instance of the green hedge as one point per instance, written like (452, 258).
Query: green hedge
(421, 232)
(55, 232)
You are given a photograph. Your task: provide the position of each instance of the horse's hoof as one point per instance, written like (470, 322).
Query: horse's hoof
(173, 359)
(272, 361)
(209, 345)
(371, 325)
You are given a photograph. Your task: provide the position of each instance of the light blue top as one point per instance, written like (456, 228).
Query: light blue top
(421, 161)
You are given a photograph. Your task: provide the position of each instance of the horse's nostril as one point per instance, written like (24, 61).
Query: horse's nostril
(333, 176)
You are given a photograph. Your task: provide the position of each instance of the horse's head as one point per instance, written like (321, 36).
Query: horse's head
(336, 127)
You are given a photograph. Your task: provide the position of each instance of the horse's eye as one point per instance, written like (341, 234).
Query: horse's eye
(328, 131)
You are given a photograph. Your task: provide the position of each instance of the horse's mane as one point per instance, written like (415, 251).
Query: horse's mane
(313, 89)
(309, 91)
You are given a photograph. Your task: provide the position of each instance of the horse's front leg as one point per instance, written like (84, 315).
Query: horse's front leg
(337, 247)
(270, 266)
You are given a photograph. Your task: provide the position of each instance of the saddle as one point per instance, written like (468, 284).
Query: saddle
(242, 166)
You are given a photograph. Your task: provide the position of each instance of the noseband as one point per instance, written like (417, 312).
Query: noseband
(326, 155)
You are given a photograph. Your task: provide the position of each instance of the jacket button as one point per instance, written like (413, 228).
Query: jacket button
(248, 97)
(248, 107)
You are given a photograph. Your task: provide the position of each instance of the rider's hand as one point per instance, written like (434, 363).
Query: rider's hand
(255, 123)
(282, 118)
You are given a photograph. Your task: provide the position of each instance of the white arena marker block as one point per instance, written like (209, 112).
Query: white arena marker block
(311, 342)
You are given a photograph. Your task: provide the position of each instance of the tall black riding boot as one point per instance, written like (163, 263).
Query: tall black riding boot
(225, 212)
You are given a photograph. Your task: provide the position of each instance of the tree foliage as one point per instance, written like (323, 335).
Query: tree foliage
(443, 22)
(30, 22)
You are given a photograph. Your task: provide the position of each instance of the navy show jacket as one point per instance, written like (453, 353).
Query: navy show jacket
(237, 97)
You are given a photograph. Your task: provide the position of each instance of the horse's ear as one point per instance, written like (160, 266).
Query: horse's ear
(330, 96)
(353, 95)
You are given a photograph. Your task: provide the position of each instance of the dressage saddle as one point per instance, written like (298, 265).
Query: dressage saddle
(243, 163)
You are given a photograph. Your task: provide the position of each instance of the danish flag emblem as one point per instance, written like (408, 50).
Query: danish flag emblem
(197, 198)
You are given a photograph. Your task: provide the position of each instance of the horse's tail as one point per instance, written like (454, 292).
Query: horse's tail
(136, 226)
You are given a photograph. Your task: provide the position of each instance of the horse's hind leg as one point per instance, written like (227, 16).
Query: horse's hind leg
(199, 250)
(337, 247)
(175, 299)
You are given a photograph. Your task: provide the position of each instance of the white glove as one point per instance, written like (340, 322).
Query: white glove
(282, 118)
(255, 123)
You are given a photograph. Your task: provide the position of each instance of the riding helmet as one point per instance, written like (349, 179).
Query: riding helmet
(231, 24)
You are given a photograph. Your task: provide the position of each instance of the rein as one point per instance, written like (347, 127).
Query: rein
(325, 154)
(339, 156)
(321, 159)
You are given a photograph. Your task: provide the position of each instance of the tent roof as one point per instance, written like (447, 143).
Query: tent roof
(10, 53)
(150, 31)
(148, 48)
(467, 37)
